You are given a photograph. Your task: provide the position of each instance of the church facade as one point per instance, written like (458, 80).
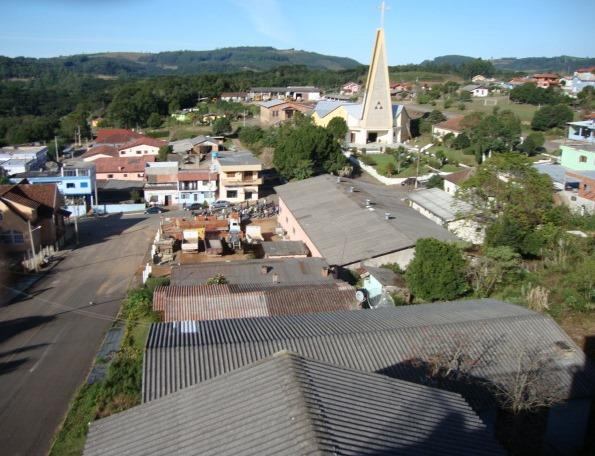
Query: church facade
(374, 121)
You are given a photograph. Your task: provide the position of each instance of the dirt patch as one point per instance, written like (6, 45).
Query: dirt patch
(581, 328)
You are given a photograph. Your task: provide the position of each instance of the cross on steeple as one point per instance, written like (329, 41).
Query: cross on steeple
(383, 8)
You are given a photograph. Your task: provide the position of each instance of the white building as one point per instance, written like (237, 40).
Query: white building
(20, 159)
(375, 122)
(161, 183)
(447, 211)
(476, 90)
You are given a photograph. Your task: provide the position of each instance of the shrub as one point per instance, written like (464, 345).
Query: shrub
(437, 272)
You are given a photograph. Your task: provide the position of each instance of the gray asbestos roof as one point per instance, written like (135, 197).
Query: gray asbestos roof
(288, 270)
(290, 405)
(241, 157)
(441, 204)
(271, 103)
(344, 230)
(397, 342)
(284, 248)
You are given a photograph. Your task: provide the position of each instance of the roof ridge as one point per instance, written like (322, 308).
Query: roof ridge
(302, 379)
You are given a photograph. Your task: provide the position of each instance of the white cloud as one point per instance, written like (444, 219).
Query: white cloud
(267, 18)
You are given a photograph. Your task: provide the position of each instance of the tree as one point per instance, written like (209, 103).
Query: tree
(221, 125)
(461, 141)
(497, 132)
(435, 181)
(154, 120)
(488, 271)
(551, 117)
(302, 146)
(251, 135)
(532, 143)
(338, 128)
(435, 117)
(441, 157)
(514, 199)
(164, 151)
(586, 98)
(401, 155)
(437, 271)
(72, 123)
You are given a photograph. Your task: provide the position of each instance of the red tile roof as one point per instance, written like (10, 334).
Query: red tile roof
(453, 124)
(123, 164)
(46, 194)
(217, 302)
(460, 176)
(546, 76)
(184, 176)
(115, 136)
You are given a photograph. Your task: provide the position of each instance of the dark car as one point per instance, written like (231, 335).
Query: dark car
(155, 210)
(194, 207)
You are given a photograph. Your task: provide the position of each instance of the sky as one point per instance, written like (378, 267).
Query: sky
(414, 31)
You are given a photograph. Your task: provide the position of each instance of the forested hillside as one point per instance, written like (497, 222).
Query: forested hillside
(226, 60)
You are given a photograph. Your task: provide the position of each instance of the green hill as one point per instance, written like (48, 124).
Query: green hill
(225, 60)
(561, 64)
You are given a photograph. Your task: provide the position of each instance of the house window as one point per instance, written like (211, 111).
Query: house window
(232, 193)
(125, 175)
(84, 184)
(70, 172)
(248, 195)
(70, 185)
(582, 159)
(146, 152)
(83, 172)
(138, 152)
(139, 175)
(11, 237)
(110, 176)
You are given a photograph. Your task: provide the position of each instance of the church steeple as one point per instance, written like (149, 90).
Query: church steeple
(377, 104)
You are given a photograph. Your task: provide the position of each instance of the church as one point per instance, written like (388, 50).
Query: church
(375, 121)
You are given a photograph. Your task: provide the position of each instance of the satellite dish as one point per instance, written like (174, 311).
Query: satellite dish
(360, 295)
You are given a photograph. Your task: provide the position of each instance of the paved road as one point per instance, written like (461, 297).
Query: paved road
(48, 340)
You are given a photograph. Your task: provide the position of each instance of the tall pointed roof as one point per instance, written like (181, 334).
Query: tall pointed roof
(377, 111)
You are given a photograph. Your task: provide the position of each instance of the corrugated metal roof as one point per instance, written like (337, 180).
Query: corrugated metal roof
(341, 227)
(214, 302)
(441, 204)
(288, 271)
(290, 405)
(385, 341)
(271, 103)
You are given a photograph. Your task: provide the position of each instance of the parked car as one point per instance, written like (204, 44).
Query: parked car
(220, 204)
(194, 207)
(155, 210)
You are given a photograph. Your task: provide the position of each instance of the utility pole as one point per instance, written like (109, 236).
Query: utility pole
(56, 147)
(417, 169)
(76, 225)
(244, 118)
(32, 244)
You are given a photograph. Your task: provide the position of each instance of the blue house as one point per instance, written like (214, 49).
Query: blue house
(76, 180)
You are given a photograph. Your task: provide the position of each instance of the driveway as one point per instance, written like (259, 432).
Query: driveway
(49, 338)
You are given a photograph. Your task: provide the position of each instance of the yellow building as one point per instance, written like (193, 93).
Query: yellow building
(239, 176)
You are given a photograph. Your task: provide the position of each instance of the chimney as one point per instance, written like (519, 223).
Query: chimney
(351, 189)
(275, 277)
(338, 179)
(325, 271)
(387, 216)
(264, 269)
(368, 202)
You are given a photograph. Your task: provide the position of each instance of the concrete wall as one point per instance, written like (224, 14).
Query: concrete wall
(139, 150)
(117, 208)
(402, 258)
(571, 158)
(129, 176)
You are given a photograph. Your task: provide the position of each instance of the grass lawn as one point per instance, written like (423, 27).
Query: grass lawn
(455, 155)
(381, 160)
(523, 111)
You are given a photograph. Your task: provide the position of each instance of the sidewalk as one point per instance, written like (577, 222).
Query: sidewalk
(11, 291)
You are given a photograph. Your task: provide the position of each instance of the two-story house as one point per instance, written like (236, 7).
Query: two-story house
(197, 186)
(75, 179)
(161, 183)
(239, 175)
